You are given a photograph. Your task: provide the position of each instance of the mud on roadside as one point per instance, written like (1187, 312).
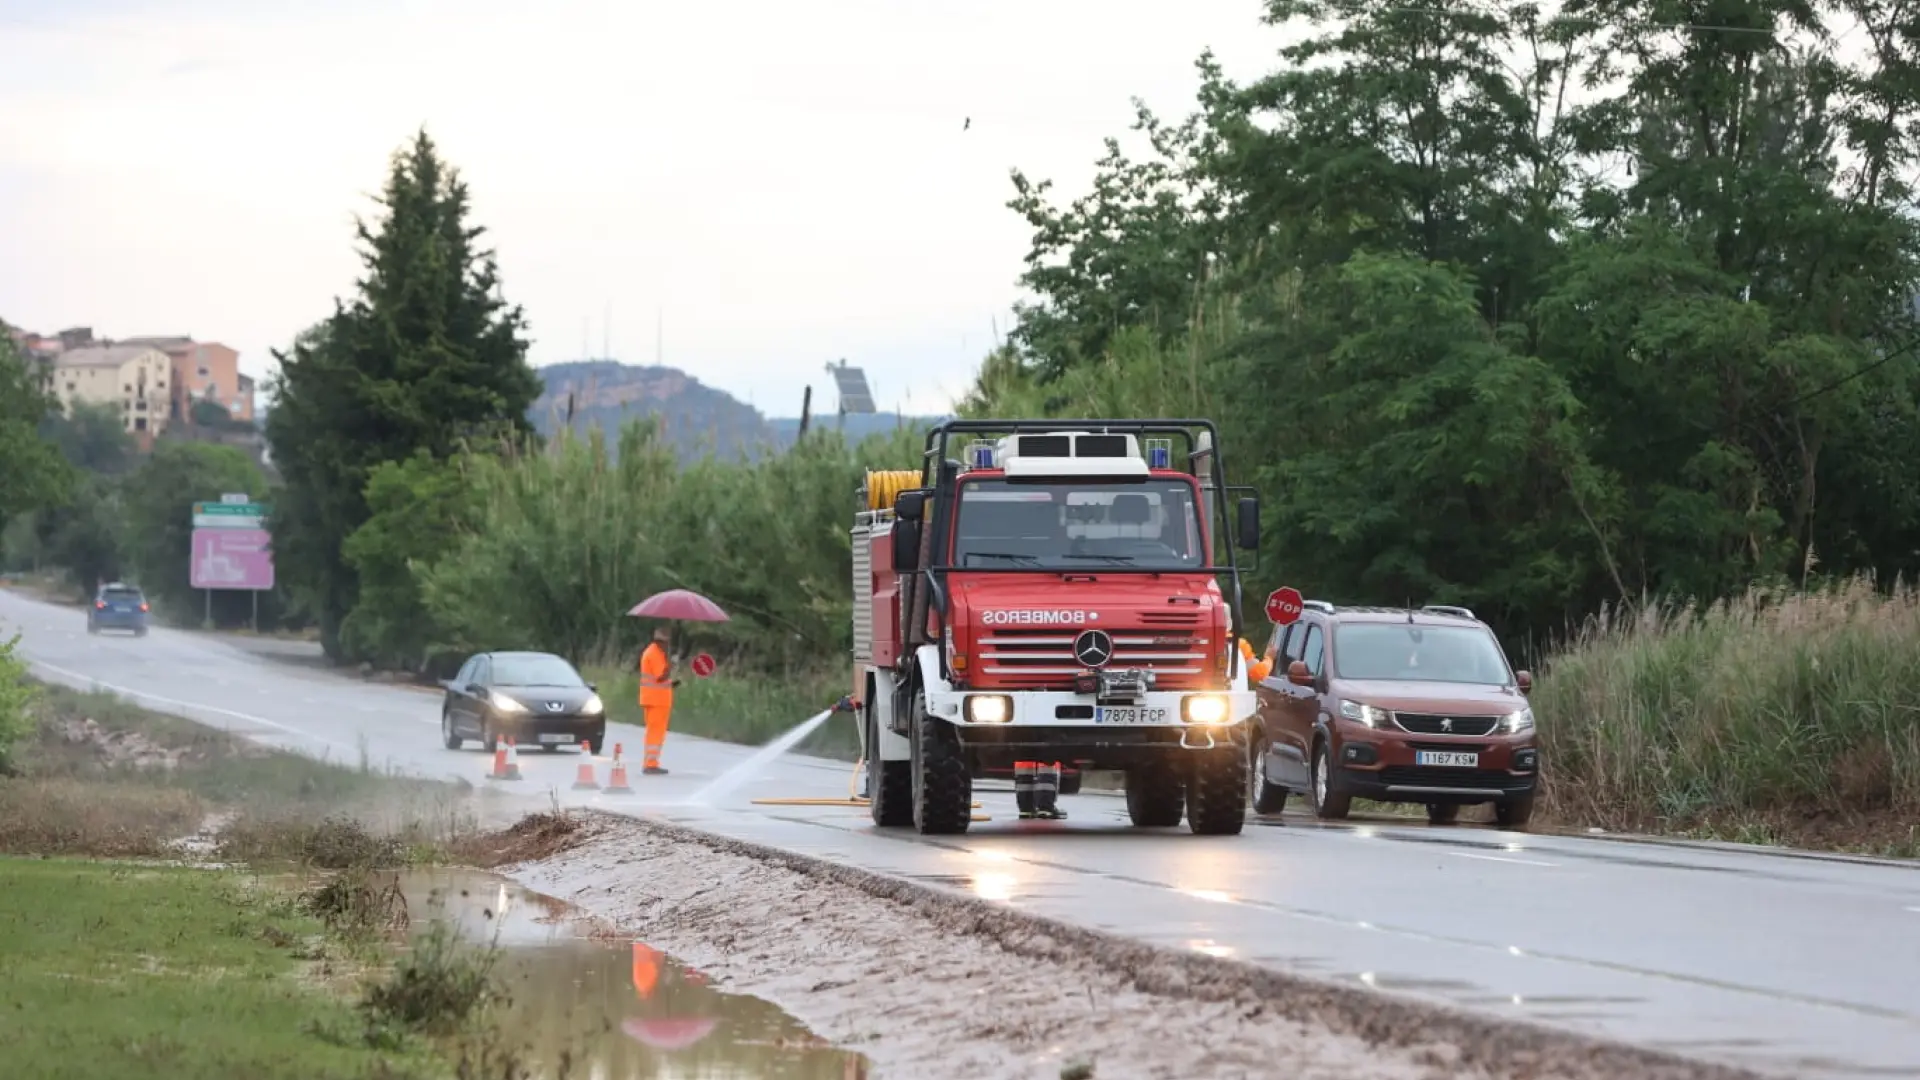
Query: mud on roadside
(932, 984)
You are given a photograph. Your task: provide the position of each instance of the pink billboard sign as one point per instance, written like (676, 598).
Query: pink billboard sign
(232, 559)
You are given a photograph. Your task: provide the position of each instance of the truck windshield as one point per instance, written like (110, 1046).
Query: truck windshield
(1077, 525)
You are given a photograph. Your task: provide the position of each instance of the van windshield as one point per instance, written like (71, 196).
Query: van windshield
(1078, 525)
(1402, 652)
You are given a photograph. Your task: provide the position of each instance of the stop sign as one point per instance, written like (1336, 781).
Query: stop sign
(1284, 605)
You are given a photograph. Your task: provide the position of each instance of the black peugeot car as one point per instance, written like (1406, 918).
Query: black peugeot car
(536, 698)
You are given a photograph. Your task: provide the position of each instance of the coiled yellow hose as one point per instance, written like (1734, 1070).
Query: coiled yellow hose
(885, 485)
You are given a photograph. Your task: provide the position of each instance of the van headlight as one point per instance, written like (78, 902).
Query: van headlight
(989, 708)
(1205, 708)
(1516, 722)
(1372, 716)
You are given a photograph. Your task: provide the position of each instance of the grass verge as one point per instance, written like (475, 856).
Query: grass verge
(102, 777)
(747, 709)
(168, 972)
(290, 956)
(1780, 717)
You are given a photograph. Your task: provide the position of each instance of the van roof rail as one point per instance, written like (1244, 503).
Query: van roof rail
(1318, 605)
(1450, 609)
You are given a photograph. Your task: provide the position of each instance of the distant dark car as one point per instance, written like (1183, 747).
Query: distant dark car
(118, 607)
(536, 698)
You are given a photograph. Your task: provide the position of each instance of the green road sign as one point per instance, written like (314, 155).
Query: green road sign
(227, 515)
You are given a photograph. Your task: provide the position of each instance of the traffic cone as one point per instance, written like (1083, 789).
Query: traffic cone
(513, 759)
(506, 765)
(585, 781)
(617, 775)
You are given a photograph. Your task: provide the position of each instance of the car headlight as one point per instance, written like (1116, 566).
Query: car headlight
(989, 709)
(504, 703)
(1364, 714)
(1516, 722)
(1205, 709)
(594, 706)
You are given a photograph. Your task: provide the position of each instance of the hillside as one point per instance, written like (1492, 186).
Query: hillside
(697, 418)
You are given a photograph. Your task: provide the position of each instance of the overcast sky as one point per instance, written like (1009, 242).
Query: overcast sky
(786, 183)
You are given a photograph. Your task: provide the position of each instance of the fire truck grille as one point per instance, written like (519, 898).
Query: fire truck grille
(1042, 659)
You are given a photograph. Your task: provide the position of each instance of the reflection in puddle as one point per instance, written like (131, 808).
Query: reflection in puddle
(616, 1010)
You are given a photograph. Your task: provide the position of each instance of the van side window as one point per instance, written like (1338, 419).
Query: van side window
(1314, 651)
(1273, 643)
(1296, 637)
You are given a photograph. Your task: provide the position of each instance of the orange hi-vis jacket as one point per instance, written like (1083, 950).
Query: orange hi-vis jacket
(1258, 667)
(655, 687)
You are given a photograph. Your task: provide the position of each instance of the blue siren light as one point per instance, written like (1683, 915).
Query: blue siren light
(982, 455)
(1159, 454)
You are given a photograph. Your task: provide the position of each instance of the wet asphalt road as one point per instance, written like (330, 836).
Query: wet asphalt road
(1799, 965)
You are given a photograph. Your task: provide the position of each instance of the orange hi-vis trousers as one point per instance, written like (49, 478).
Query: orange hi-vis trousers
(657, 717)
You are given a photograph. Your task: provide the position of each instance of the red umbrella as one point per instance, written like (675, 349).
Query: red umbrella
(673, 1033)
(679, 604)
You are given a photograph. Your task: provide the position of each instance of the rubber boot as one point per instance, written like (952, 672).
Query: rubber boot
(1023, 776)
(1046, 792)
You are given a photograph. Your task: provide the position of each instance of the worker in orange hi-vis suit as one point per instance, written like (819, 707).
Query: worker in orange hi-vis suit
(656, 698)
(1258, 667)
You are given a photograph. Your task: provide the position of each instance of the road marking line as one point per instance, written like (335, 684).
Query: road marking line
(1502, 858)
(139, 695)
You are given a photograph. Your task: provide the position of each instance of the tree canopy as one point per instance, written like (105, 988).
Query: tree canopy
(1530, 311)
(426, 357)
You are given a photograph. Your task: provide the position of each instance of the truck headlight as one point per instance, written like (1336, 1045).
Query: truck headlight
(1516, 722)
(1205, 708)
(989, 708)
(1363, 714)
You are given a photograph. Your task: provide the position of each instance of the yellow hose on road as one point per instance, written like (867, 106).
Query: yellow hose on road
(885, 485)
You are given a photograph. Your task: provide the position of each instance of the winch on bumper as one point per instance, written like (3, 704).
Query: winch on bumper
(1114, 719)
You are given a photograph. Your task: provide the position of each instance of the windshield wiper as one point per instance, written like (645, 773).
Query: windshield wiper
(1014, 555)
(1111, 560)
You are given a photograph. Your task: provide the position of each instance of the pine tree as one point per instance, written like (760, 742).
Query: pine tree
(426, 357)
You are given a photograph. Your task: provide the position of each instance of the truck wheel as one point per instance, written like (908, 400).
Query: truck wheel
(1070, 782)
(1443, 813)
(892, 802)
(942, 790)
(1217, 791)
(1513, 813)
(1268, 797)
(1155, 796)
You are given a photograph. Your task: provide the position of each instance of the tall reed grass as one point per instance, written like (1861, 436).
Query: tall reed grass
(1776, 706)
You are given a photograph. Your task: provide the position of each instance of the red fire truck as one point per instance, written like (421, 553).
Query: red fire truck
(1050, 591)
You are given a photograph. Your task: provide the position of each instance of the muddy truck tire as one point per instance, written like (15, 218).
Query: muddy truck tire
(1217, 791)
(942, 787)
(1156, 796)
(891, 804)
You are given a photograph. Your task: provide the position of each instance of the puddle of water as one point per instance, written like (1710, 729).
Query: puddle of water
(615, 1010)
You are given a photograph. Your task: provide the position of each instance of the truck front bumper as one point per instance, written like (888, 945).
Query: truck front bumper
(1163, 709)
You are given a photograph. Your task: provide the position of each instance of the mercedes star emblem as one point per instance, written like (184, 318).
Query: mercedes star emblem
(1093, 648)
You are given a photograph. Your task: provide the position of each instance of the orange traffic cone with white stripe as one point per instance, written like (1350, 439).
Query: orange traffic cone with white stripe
(506, 766)
(584, 781)
(617, 775)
